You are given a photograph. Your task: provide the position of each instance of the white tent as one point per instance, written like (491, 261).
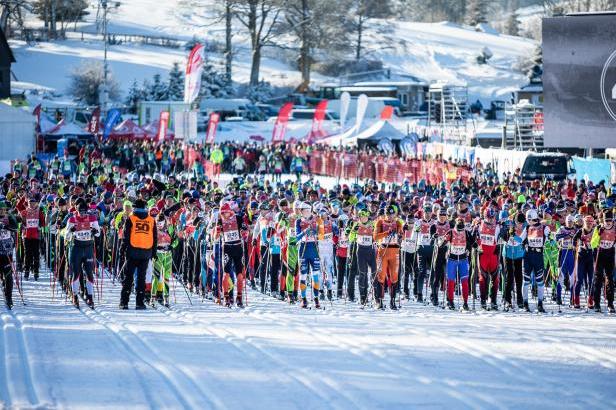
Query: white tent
(67, 129)
(17, 137)
(375, 132)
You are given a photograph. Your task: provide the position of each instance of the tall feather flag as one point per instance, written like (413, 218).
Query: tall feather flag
(194, 68)
(280, 126)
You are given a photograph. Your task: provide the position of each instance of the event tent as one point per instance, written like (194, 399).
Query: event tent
(17, 136)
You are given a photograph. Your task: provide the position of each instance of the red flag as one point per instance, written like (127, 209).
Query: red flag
(194, 68)
(281, 122)
(95, 120)
(388, 110)
(37, 113)
(316, 131)
(211, 127)
(163, 123)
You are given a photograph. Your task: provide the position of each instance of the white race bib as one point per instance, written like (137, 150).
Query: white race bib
(328, 236)
(364, 240)
(83, 235)
(5, 235)
(457, 249)
(535, 242)
(424, 239)
(231, 236)
(32, 223)
(606, 244)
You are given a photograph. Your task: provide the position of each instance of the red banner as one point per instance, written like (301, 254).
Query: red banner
(212, 125)
(95, 121)
(281, 122)
(163, 123)
(317, 132)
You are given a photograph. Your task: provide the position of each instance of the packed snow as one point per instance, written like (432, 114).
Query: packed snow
(275, 355)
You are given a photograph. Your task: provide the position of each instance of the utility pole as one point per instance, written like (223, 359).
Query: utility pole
(104, 92)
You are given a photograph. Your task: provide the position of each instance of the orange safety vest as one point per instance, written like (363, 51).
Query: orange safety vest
(142, 232)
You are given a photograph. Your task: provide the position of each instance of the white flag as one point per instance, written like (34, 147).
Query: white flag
(362, 105)
(345, 101)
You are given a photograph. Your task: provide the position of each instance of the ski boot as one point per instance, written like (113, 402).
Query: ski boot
(540, 308)
(507, 307)
(434, 301)
(316, 303)
(484, 305)
(465, 307)
(379, 304)
(597, 309)
(419, 298)
(166, 302)
(123, 306)
(239, 302)
(229, 300)
(526, 308)
(281, 296)
(520, 305)
(90, 301)
(493, 306)
(76, 301)
(450, 305)
(304, 304)
(362, 301)
(392, 303)
(610, 309)
(9, 304)
(330, 295)
(36, 275)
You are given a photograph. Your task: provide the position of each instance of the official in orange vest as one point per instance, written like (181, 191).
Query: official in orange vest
(138, 247)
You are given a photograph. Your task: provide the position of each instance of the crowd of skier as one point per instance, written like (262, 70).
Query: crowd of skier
(140, 214)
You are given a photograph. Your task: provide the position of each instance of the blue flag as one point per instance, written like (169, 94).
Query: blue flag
(112, 117)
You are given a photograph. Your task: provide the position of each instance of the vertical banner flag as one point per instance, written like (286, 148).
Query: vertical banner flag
(362, 105)
(163, 123)
(37, 114)
(112, 117)
(316, 131)
(194, 68)
(212, 125)
(281, 122)
(95, 120)
(345, 101)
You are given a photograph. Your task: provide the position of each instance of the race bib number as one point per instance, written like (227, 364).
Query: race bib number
(32, 223)
(424, 239)
(53, 229)
(328, 236)
(364, 240)
(292, 232)
(488, 240)
(83, 235)
(458, 250)
(231, 236)
(566, 243)
(535, 242)
(606, 244)
(343, 243)
(5, 235)
(408, 245)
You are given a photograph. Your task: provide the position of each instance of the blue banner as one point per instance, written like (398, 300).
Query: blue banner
(112, 118)
(592, 169)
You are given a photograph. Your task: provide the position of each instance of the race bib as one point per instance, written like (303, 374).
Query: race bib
(292, 232)
(53, 229)
(408, 245)
(606, 244)
(343, 243)
(364, 240)
(457, 249)
(424, 239)
(488, 240)
(83, 235)
(32, 223)
(5, 235)
(535, 242)
(231, 236)
(328, 236)
(566, 243)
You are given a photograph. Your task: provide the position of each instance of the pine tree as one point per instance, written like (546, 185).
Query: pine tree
(134, 96)
(158, 91)
(213, 83)
(260, 92)
(535, 66)
(175, 89)
(513, 25)
(145, 90)
(476, 11)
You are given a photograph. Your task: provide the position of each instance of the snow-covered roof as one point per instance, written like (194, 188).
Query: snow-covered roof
(67, 128)
(386, 83)
(532, 88)
(367, 89)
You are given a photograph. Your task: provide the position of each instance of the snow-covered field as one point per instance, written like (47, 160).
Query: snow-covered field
(274, 355)
(430, 51)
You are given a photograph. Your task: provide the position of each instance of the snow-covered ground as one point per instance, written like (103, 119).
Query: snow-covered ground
(275, 355)
(430, 51)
